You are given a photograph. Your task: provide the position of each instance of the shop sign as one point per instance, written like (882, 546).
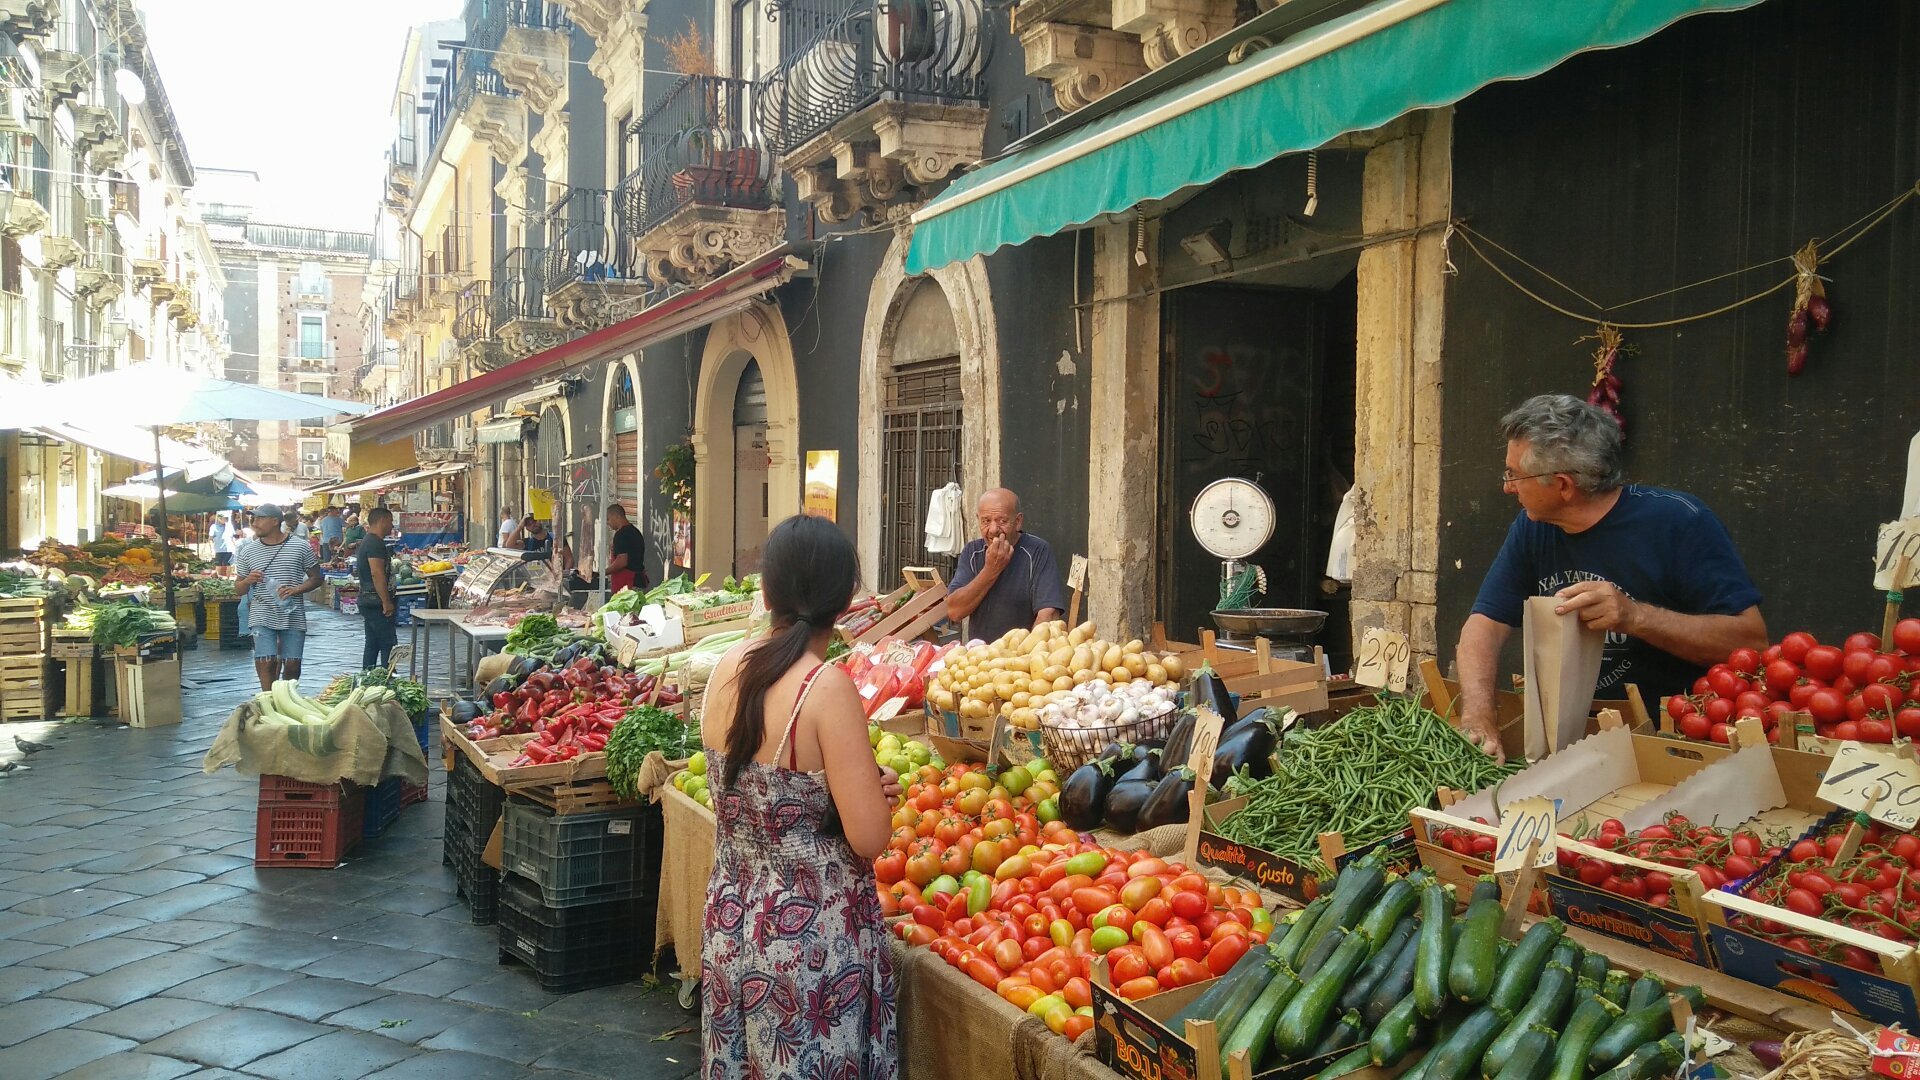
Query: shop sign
(540, 503)
(823, 484)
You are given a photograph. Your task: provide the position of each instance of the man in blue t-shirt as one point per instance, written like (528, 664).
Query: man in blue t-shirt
(1654, 569)
(1007, 578)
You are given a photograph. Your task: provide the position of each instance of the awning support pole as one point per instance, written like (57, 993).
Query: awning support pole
(166, 545)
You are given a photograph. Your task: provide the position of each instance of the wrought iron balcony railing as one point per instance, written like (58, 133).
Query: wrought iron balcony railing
(26, 168)
(472, 320)
(491, 29)
(698, 146)
(840, 56)
(520, 286)
(473, 75)
(592, 239)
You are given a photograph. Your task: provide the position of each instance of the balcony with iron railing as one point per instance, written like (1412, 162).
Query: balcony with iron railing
(26, 184)
(874, 96)
(403, 160)
(530, 40)
(96, 276)
(474, 330)
(593, 262)
(449, 264)
(476, 95)
(521, 319)
(702, 200)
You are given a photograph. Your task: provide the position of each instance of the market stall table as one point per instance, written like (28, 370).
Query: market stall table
(479, 637)
(420, 664)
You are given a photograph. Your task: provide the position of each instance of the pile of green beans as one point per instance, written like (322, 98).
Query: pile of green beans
(1357, 776)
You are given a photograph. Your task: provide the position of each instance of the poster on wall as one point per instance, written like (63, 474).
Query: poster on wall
(682, 540)
(823, 483)
(421, 530)
(540, 503)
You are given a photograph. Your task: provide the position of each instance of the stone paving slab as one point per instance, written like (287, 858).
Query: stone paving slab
(61, 1050)
(130, 1066)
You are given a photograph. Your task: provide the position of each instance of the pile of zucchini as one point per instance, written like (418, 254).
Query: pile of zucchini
(1382, 968)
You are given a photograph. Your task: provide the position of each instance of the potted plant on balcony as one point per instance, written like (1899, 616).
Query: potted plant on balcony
(720, 163)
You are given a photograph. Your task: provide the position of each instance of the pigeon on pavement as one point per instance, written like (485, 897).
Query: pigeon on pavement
(28, 746)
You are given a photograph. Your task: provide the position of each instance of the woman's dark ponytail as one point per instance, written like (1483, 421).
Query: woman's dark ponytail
(807, 574)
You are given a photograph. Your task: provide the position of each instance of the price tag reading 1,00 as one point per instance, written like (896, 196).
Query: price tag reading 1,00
(1861, 775)
(1522, 823)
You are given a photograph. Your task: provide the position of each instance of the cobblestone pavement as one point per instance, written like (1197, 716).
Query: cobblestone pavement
(137, 940)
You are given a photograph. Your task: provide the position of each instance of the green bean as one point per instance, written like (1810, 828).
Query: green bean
(1357, 776)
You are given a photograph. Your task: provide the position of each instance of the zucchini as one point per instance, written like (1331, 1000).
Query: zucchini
(1542, 1008)
(1593, 966)
(1298, 1027)
(1523, 966)
(1288, 949)
(1238, 987)
(1474, 964)
(1436, 946)
(1351, 1062)
(1651, 1060)
(1590, 1019)
(1396, 1033)
(1638, 1026)
(1614, 986)
(1647, 989)
(1485, 888)
(1396, 984)
(1458, 1055)
(1339, 1036)
(1396, 900)
(1255, 1028)
(1531, 1058)
(1353, 891)
(1360, 990)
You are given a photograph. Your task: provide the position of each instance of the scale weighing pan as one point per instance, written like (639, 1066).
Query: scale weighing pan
(1263, 622)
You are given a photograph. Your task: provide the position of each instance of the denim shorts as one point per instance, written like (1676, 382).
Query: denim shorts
(269, 643)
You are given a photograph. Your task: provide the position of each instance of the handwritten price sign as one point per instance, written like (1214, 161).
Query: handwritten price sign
(1520, 825)
(1876, 780)
(1896, 556)
(1383, 660)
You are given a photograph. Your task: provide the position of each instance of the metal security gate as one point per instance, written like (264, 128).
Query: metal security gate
(920, 453)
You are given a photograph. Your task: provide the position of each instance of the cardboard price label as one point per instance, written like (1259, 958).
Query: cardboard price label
(1878, 781)
(1521, 824)
(1896, 555)
(1896, 1053)
(1207, 725)
(1077, 573)
(1383, 660)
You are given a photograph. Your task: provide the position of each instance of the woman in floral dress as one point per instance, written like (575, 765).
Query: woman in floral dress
(796, 980)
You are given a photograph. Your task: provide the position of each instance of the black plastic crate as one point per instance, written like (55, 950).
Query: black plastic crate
(383, 807)
(574, 858)
(574, 948)
(478, 884)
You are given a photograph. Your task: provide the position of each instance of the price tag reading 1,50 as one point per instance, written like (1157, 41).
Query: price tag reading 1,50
(1522, 823)
(1862, 775)
(1383, 660)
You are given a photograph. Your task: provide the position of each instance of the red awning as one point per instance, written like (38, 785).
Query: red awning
(670, 318)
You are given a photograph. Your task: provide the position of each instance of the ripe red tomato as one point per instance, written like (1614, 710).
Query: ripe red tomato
(1725, 681)
(1696, 727)
(1188, 905)
(1802, 692)
(1721, 733)
(1744, 661)
(1854, 666)
(1880, 698)
(1907, 723)
(1777, 712)
(1226, 952)
(1824, 662)
(1750, 703)
(1847, 731)
(1678, 706)
(1795, 645)
(1906, 636)
(1781, 677)
(1701, 687)
(1802, 902)
(1719, 710)
(1827, 706)
(1862, 640)
(1876, 731)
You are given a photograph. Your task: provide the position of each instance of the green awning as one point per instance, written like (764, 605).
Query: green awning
(1349, 74)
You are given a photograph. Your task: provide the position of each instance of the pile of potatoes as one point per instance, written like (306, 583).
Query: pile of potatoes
(1024, 670)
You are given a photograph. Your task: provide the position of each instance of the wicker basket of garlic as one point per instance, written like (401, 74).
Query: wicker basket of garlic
(1079, 724)
(1018, 674)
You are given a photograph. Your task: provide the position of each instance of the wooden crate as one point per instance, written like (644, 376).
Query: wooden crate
(23, 626)
(85, 686)
(565, 797)
(73, 645)
(23, 688)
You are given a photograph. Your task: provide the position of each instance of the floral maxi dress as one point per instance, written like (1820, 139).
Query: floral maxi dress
(796, 979)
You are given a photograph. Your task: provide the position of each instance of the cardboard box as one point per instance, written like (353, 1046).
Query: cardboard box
(1132, 1037)
(1287, 878)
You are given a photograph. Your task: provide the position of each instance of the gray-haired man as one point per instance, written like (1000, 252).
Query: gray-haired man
(1654, 569)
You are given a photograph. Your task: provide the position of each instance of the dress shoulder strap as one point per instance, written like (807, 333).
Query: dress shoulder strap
(787, 746)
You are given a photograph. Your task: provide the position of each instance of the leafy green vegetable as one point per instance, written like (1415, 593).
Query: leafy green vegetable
(644, 729)
(538, 636)
(121, 622)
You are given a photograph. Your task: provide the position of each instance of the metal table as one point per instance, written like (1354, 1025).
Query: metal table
(477, 638)
(420, 664)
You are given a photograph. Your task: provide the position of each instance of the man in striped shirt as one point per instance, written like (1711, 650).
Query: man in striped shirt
(275, 570)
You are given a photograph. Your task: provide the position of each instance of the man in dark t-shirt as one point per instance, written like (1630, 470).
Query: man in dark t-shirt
(626, 559)
(1654, 569)
(374, 566)
(1007, 579)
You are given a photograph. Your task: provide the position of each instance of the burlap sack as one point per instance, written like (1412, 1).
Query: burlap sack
(361, 746)
(686, 862)
(656, 769)
(492, 667)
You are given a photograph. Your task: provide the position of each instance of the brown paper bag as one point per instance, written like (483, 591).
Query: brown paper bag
(1562, 665)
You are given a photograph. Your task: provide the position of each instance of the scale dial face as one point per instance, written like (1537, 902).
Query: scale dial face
(1232, 518)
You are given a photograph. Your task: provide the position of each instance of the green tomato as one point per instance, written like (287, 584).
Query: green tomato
(1089, 863)
(944, 885)
(1016, 780)
(902, 765)
(873, 734)
(1107, 938)
(697, 786)
(1049, 809)
(920, 752)
(697, 764)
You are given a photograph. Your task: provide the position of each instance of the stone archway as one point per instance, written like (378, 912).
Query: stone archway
(971, 302)
(758, 334)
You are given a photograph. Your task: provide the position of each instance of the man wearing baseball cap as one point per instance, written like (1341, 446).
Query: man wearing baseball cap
(275, 572)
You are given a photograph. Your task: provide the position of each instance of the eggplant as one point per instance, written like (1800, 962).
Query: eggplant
(565, 654)
(1209, 691)
(502, 685)
(1234, 727)
(1250, 747)
(464, 710)
(1168, 803)
(1125, 801)
(1180, 740)
(1083, 798)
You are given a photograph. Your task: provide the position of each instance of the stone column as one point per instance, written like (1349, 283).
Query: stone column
(1124, 415)
(1402, 296)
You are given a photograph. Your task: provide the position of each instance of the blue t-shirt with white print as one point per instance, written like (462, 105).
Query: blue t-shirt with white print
(1660, 547)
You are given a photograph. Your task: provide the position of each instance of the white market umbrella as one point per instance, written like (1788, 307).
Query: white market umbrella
(151, 395)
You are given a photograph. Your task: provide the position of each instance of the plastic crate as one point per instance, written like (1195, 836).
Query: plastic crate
(420, 732)
(478, 884)
(412, 793)
(382, 807)
(404, 606)
(575, 948)
(307, 833)
(285, 789)
(576, 859)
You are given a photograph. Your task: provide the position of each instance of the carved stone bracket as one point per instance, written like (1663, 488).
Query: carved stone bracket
(29, 18)
(594, 16)
(57, 251)
(1083, 63)
(484, 355)
(522, 338)
(590, 305)
(1170, 29)
(929, 140)
(883, 154)
(64, 75)
(698, 242)
(23, 216)
(501, 123)
(534, 63)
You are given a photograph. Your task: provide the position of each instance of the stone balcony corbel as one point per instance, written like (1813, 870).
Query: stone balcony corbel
(64, 75)
(532, 61)
(1170, 29)
(29, 18)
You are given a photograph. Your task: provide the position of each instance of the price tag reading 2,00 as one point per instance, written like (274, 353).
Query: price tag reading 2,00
(1862, 775)
(1522, 823)
(1384, 655)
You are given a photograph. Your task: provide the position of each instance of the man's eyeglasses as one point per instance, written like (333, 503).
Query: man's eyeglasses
(1507, 477)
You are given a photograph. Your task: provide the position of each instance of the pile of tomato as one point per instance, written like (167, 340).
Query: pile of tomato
(1032, 930)
(1876, 892)
(1718, 857)
(1474, 845)
(1854, 691)
(959, 818)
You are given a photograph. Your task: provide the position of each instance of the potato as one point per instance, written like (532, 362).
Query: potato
(1175, 669)
(1040, 686)
(1053, 671)
(1156, 674)
(1135, 664)
(1134, 647)
(1081, 634)
(1021, 698)
(1081, 660)
(1110, 659)
(1119, 676)
(1083, 676)
(1064, 683)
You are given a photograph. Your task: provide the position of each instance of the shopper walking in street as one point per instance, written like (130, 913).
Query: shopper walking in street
(374, 566)
(796, 979)
(507, 525)
(220, 539)
(276, 571)
(333, 529)
(1007, 579)
(627, 557)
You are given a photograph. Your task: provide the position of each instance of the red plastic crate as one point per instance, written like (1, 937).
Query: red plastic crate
(412, 793)
(308, 833)
(282, 789)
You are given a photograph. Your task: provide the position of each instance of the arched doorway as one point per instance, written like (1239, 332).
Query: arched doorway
(623, 426)
(929, 404)
(547, 472)
(722, 533)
